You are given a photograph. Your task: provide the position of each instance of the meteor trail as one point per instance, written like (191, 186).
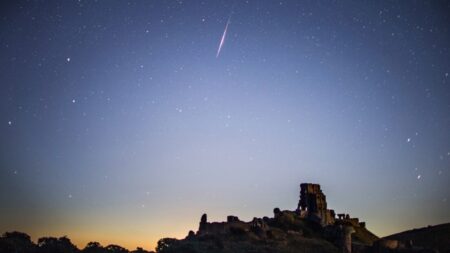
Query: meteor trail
(222, 40)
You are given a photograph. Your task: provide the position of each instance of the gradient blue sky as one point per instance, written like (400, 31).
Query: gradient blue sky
(119, 124)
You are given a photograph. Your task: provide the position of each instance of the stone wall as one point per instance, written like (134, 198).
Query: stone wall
(232, 222)
(313, 204)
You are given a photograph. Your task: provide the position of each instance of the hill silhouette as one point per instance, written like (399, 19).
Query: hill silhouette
(437, 237)
(312, 227)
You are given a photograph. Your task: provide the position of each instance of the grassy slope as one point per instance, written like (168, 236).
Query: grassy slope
(364, 236)
(436, 237)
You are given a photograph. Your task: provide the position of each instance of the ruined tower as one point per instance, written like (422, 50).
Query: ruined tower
(313, 204)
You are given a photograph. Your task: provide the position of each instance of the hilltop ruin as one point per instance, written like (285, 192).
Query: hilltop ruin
(311, 227)
(312, 207)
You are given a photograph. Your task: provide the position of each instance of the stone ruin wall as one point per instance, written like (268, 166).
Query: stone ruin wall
(232, 222)
(313, 204)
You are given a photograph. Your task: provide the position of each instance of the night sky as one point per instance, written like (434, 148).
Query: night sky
(120, 124)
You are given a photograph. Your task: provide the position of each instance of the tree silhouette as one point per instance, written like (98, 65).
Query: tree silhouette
(56, 245)
(112, 248)
(165, 245)
(94, 247)
(171, 245)
(16, 242)
(141, 250)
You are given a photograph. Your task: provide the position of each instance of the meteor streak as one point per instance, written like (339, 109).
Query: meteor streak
(222, 40)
